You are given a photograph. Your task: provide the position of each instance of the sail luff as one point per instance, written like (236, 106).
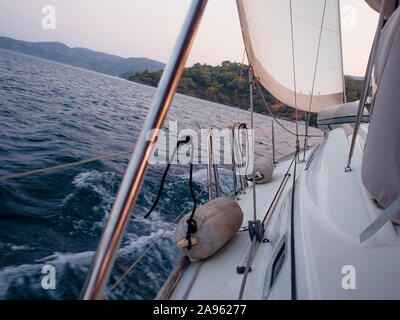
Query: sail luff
(267, 37)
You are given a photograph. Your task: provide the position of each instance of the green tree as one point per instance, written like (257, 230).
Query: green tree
(228, 84)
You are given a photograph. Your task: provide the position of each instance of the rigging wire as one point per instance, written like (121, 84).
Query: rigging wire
(313, 82)
(240, 73)
(294, 75)
(292, 242)
(251, 84)
(292, 252)
(275, 118)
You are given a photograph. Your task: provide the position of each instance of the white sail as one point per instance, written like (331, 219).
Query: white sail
(270, 27)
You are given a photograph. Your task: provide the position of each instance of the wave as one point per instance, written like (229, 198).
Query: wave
(54, 114)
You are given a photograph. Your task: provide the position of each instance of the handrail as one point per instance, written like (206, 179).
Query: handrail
(277, 195)
(311, 157)
(130, 186)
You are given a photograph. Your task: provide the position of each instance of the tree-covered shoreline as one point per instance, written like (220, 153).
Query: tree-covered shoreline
(228, 84)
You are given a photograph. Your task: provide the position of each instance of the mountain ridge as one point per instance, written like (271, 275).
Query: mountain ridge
(82, 57)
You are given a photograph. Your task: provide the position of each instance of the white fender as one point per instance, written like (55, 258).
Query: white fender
(217, 222)
(264, 169)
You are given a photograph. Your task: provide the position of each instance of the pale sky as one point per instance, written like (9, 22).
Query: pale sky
(149, 28)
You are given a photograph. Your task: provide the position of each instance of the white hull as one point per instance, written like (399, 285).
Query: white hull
(331, 209)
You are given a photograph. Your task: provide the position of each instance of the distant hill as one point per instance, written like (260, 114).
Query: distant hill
(82, 57)
(356, 77)
(223, 84)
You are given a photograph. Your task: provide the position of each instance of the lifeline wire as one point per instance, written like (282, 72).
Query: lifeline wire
(28, 173)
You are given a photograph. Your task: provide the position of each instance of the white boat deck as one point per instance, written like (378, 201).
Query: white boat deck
(334, 209)
(331, 209)
(216, 277)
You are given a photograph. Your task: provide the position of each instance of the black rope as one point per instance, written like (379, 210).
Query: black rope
(192, 225)
(257, 178)
(163, 179)
(159, 191)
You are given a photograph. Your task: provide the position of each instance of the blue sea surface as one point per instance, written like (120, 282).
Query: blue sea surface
(53, 114)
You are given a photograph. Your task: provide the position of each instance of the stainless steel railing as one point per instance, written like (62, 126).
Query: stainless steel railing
(130, 186)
